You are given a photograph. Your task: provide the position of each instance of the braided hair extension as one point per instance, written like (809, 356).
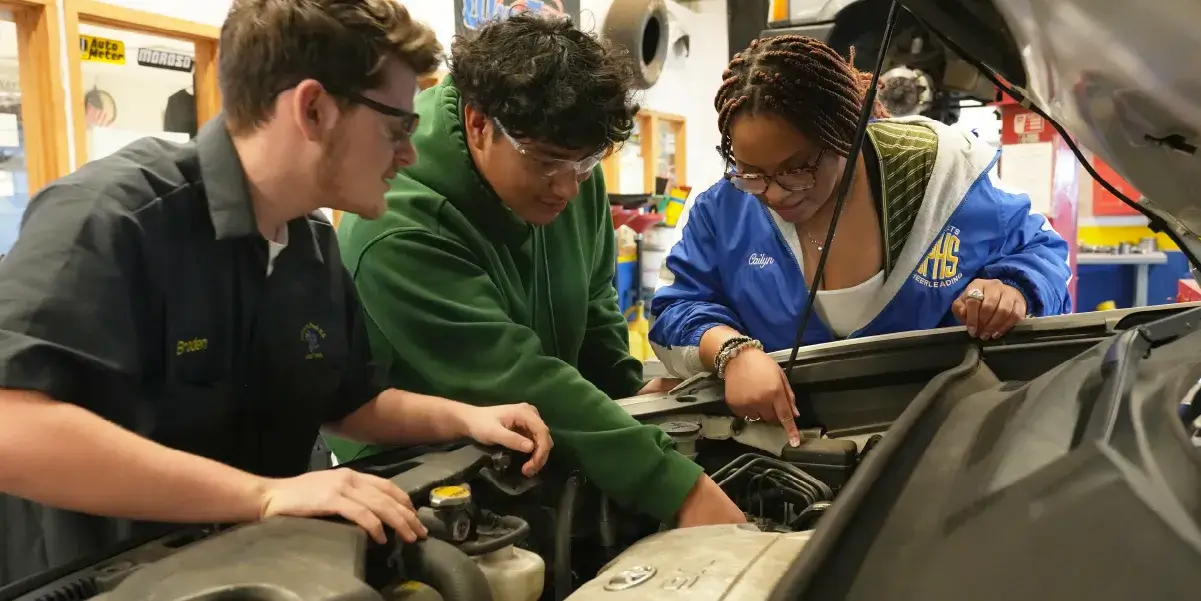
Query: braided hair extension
(801, 80)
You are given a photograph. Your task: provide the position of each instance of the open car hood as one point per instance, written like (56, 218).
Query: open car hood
(1118, 76)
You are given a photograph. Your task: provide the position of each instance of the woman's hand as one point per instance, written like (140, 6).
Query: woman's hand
(757, 389)
(989, 308)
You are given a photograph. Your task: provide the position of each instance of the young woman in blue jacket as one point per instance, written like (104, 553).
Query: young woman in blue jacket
(927, 238)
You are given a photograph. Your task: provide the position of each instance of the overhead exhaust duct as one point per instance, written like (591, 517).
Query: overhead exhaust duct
(640, 26)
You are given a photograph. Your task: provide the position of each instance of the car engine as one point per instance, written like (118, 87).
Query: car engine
(495, 535)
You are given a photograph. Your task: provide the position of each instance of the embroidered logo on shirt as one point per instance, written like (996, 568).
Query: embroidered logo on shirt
(760, 260)
(194, 345)
(312, 335)
(940, 267)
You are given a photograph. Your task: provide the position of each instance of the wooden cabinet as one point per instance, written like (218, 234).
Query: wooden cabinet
(658, 148)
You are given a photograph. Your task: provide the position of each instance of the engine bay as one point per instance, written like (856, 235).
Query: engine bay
(493, 534)
(915, 425)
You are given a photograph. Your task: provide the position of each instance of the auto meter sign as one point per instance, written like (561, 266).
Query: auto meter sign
(471, 14)
(101, 50)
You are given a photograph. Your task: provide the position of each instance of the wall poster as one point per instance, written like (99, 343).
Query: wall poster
(471, 14)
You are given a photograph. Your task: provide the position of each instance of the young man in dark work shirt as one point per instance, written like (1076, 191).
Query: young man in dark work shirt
(176, 322)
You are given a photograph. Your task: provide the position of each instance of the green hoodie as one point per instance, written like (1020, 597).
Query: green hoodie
(466, 301)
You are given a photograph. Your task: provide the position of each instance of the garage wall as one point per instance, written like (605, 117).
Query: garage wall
(208, 12)
(687, 86)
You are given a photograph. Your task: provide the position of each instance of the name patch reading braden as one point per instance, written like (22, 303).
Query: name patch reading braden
(194, 345)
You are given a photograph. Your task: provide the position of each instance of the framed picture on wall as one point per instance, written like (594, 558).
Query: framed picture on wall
(471, 14)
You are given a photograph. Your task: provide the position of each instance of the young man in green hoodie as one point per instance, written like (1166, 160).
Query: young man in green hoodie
(490, 276)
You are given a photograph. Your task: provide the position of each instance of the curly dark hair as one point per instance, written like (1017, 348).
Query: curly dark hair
(801, 80)
(544, 80)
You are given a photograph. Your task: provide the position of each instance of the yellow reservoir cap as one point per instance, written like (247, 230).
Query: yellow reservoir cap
(444, 496)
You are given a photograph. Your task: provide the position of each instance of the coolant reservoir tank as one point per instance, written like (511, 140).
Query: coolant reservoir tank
(513, 573)
(685, 434)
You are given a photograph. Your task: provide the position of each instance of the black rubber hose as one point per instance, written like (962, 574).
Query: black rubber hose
(436, 527)
(736, 462)
(515, 530)
(564, 520)
(869, 445)
(607, 529)
(447, 570)
(807, 518)
(823, 489)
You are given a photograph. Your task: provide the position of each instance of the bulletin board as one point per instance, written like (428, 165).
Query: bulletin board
(471, 14)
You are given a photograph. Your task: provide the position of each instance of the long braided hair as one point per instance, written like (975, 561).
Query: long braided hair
(801, 80)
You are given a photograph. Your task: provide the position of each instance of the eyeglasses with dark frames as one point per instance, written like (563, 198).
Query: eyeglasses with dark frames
(793, 180)
(406, 121)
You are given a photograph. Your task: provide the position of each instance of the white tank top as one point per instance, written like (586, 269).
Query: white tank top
(845, 310)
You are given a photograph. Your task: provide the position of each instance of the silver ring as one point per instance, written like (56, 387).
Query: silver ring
(751, 419)
(975, 294)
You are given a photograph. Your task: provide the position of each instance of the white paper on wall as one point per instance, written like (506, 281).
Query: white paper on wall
(103, 141)
(8, 184)
(631, 171)
(9, 136)
(1030, 168)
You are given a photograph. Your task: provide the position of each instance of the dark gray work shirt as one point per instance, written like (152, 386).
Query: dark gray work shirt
(138, 290)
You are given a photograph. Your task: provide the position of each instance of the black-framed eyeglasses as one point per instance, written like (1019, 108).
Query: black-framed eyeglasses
(406, 121)
(793, 180)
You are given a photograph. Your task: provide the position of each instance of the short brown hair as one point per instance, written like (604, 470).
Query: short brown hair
(269, 46)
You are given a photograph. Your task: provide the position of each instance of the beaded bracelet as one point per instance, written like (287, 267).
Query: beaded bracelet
(731, 343)
(723, 353)
(730, 349)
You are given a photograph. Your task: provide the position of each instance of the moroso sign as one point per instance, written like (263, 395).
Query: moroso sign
(471, 14)
(165, 59)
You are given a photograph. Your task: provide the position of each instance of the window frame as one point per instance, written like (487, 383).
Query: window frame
(203, 37)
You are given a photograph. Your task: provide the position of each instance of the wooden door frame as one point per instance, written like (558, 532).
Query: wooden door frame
(43, 99)
(94, 12)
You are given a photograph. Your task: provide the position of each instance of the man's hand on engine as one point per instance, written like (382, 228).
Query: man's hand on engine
(366, 500)
(708, 504)
(518, 427)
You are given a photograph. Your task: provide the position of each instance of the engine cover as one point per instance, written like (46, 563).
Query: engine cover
(706, 563)
(281, 558)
